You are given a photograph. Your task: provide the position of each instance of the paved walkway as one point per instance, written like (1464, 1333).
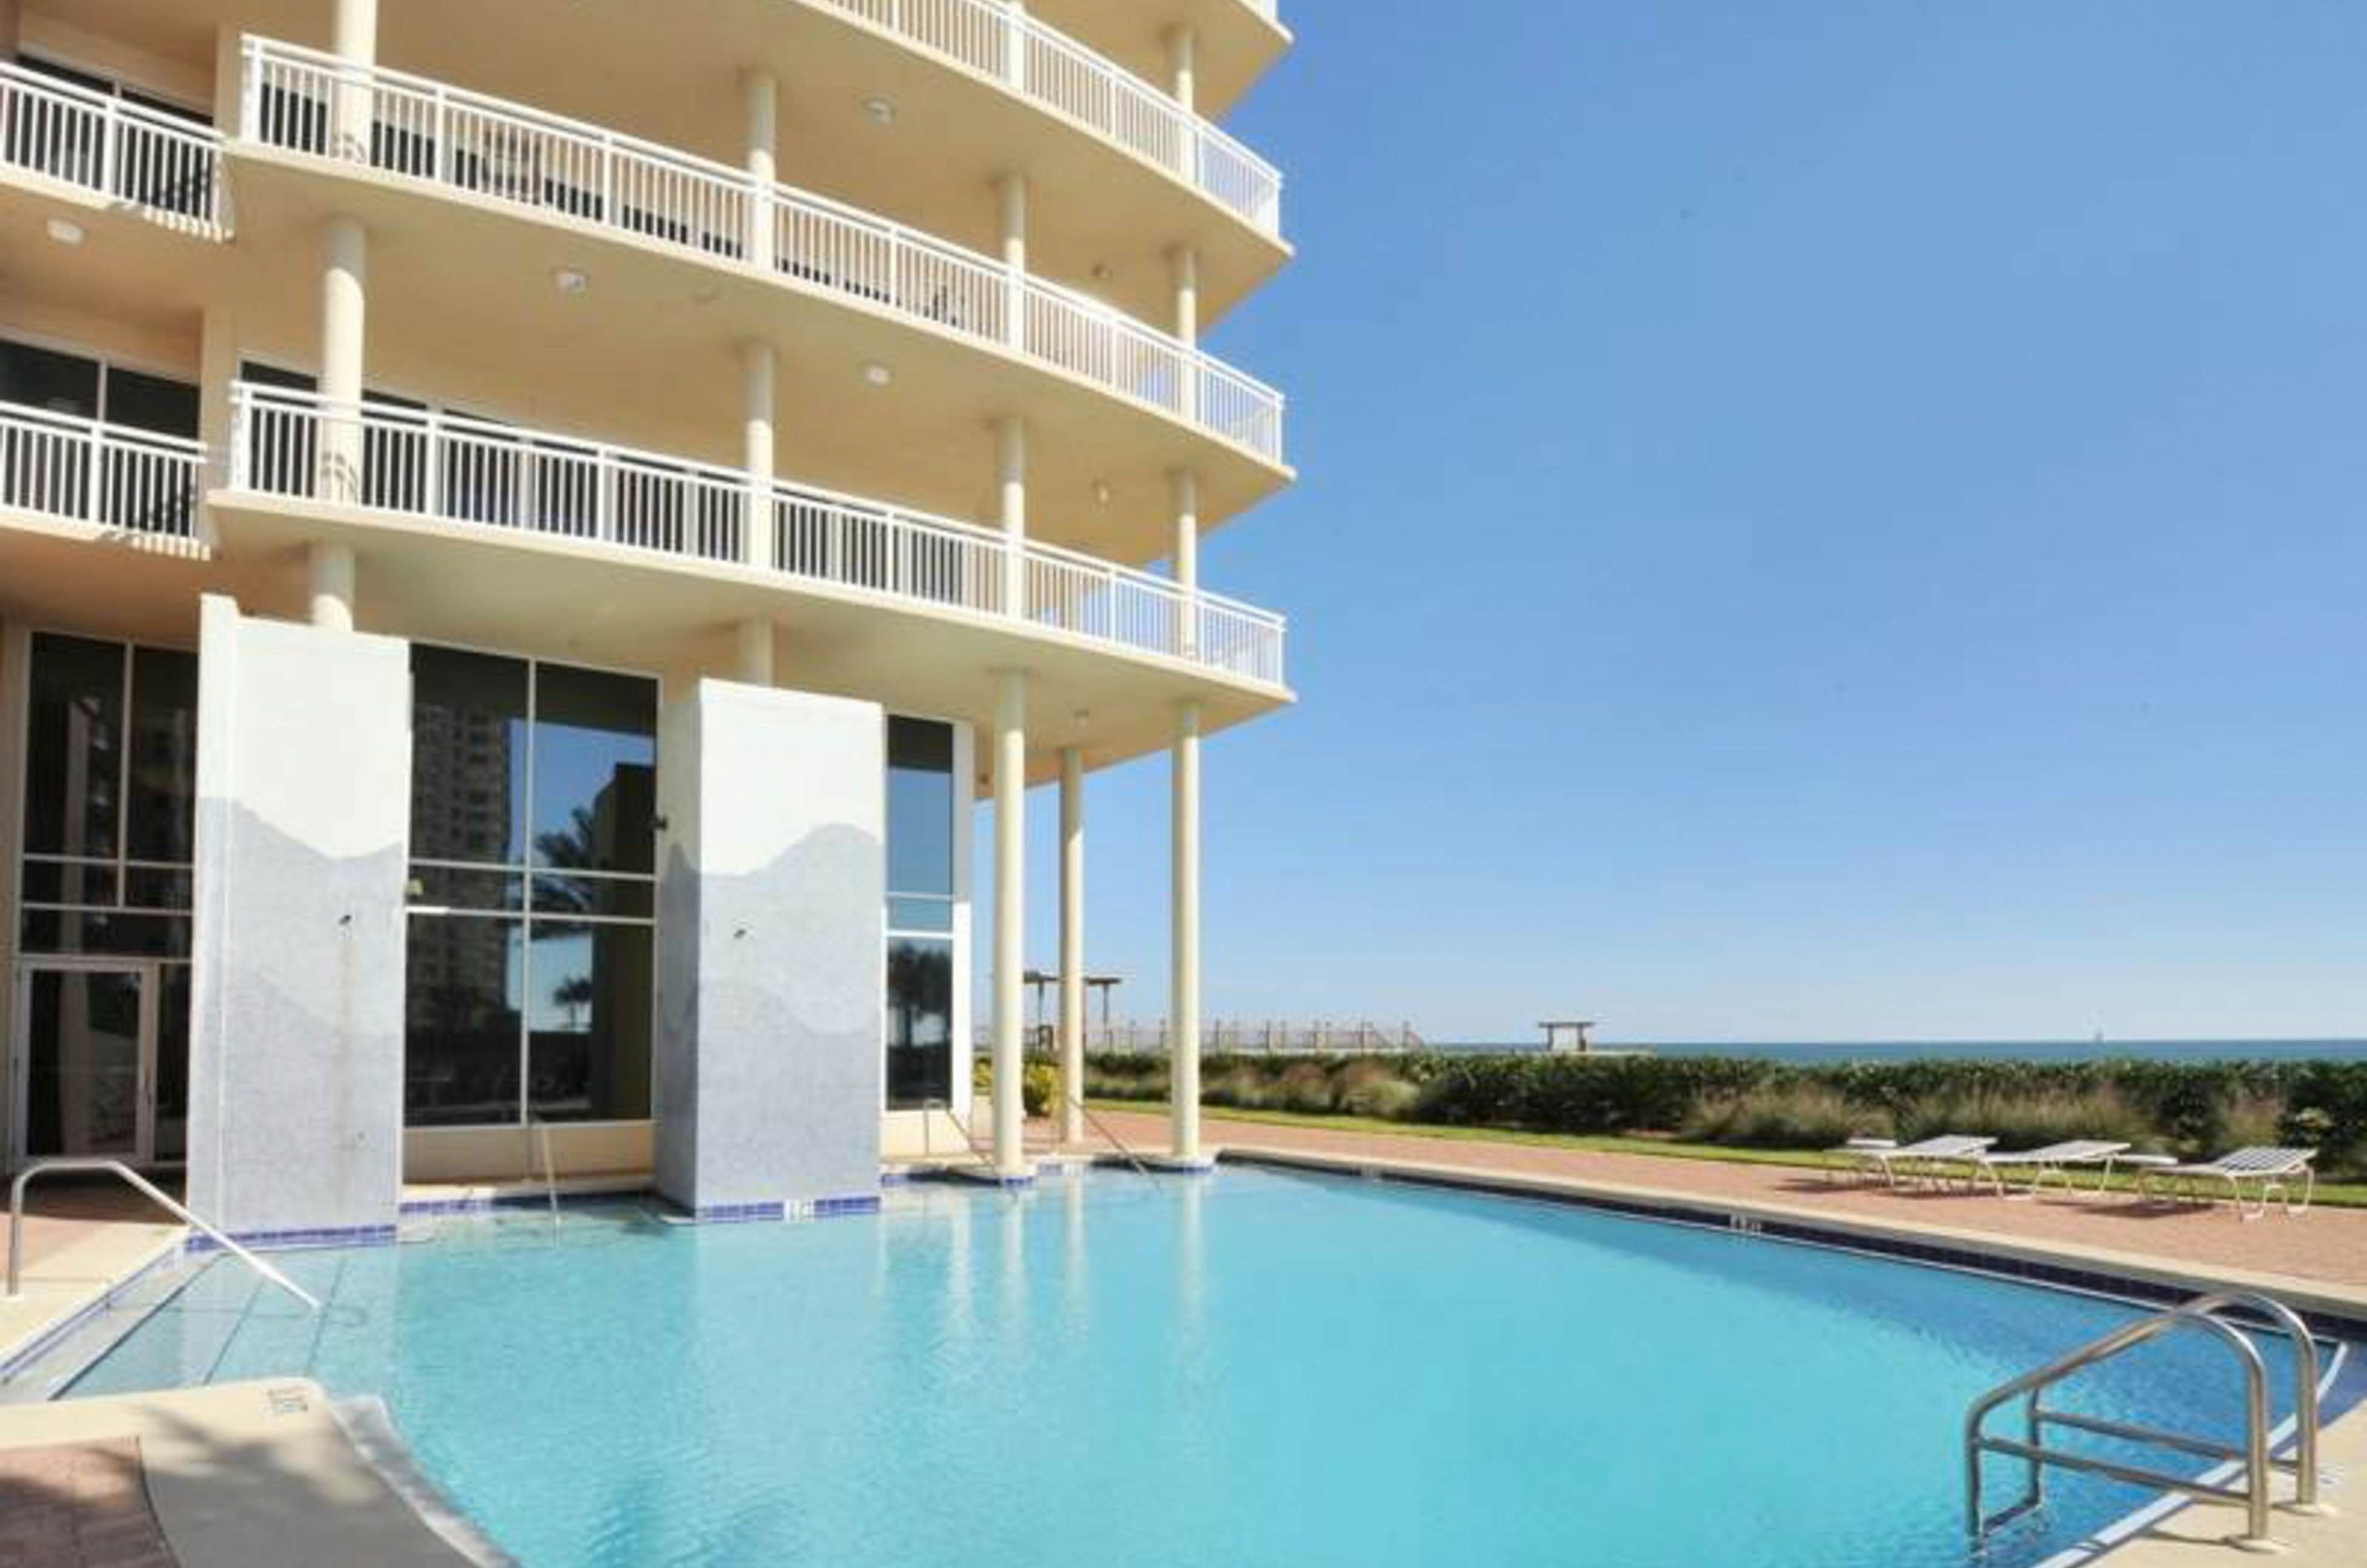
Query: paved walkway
(2324, 1244)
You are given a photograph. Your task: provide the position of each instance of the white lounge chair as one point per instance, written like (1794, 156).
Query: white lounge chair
(2271, 1171)
(1926, 1160)
(2054, 1160)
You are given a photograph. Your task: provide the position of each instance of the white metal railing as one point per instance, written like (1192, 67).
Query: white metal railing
(1003, 41)
(63, 466)
(296, 99)
(166, 167)
(389, 458)
(148, 1190)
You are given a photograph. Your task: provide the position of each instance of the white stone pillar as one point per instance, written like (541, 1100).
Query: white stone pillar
(1011, 199)
(761, 93)
(759, 375)
(1183, 917)
(1011, 474)
(353, 38)
(329, 585)
(1009, 918)
(217, 420)
(1072, 943)
(1183, 67)
(1183, 263)
(345, 307)
(1184, 561)
(754, 662)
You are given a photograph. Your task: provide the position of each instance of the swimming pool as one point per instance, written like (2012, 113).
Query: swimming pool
(1252, 1368)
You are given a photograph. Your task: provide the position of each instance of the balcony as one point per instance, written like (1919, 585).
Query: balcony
(1053, 70)
(424, 130)
(111, 478)
(161, 167)
(561, 491)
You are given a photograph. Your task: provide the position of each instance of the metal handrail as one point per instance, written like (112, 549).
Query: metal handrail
(535, 1125)
(928, 1149)
(2200, 1313)
(1119, 1144)
(141, 1184)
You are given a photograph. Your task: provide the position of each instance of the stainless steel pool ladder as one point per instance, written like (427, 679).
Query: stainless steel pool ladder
(154, 1194)
(928, 1138)
(2206, 1314)
(1115, 1142)
(539, 1129)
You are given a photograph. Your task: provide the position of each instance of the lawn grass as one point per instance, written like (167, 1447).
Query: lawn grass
(2334, 1194)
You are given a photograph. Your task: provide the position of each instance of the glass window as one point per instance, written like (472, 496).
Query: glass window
(588, 1022)
(465, 977)
(596, 751)
(160, 818)
(151, 402)
(920, 807)
(467, 756)
(74, 746)
(44, 378)
(920, 1021)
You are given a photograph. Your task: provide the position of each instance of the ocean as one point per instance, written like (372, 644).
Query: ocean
(2334, 1050)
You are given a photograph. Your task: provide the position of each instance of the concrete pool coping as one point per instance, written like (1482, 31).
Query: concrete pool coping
(69, 1288)
(2195, 1536)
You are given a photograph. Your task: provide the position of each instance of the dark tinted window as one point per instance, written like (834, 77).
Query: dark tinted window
(467, 756)
(595, 752)
(161, 816)
(44, 378)
(920, 1021)
(74, 759)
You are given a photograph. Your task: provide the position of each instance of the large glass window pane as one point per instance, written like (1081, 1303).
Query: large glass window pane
(161, 808)
(596, 751)
(83, 1069)
(70, 931)
(589, 1018)
(920, 807)
(74, 760)
(172, 1062)
(44, 378)
(463, 990)
(920, 1021)
(151, 402)
(467, 756)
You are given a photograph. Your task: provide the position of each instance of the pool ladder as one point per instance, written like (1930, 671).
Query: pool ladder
(2206, 1314)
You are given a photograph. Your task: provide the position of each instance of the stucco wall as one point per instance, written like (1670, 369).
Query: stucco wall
(771, 927)
(303, 819)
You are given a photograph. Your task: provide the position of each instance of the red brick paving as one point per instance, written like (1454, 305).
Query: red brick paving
(78, 1506)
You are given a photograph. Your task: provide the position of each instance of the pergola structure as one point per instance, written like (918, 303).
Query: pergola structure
(1568, 1034)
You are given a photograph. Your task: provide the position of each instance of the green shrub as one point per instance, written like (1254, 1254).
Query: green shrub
(1372, 1086)
(1794, 1116)
(1039, 1087)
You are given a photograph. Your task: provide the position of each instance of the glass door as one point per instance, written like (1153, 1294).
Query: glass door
(85, 1060)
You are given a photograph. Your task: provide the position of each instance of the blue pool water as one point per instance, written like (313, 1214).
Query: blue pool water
(1246, 1368)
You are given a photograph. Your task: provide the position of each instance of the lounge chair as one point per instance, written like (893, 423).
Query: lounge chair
(2054, 1160)
(2270, 1170)
(1925, 1160)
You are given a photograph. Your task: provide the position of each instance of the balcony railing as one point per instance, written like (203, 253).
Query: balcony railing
(384, 458)
(166, 167)
(1005, 42)
(109, 475)
(297, 99)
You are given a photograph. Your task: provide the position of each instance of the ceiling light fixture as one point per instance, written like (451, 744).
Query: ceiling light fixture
(878, 375)
(63, 232)
(882, 110)
(570, 281)
(1102, 491)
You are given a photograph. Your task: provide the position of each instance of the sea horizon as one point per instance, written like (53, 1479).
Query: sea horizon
(2335, 1048)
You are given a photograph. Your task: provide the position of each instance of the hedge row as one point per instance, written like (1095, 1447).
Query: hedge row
(2186, 1106)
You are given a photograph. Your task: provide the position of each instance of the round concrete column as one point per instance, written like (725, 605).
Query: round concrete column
(345, 314)
(329, 577)
(1184, 918)
(1072, 945)
(1011, 475)
(761, 100)
(1009, 918)
(759, 373)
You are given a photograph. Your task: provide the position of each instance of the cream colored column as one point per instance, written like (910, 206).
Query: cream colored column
(217, 421)
(353, 38)
(754, 662)
(1183, 918)
(329, 585)
(759, 378)
(761, 93)
(1011, 200)
(1072, 945)
(1183, 264)
(1183, 485)
(1011, 474)
(344, 310)
(1009, 917)
(1183, 67)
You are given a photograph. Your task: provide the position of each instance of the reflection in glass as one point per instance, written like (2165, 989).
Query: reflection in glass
(69, 931)
(172, 1062)
(82, 1071)
(462, 1005)
(920, 807)
(74, 738)
(161, 794)
(467, 756)
(588, 1022)
(920, 914)
(596, 754)
(920, 1021)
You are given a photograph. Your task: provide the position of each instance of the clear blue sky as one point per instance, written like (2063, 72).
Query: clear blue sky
(1819, 522)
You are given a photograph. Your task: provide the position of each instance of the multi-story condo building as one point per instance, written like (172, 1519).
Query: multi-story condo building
(523, 528)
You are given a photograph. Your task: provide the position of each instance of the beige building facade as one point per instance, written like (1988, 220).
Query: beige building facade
(525, 531)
